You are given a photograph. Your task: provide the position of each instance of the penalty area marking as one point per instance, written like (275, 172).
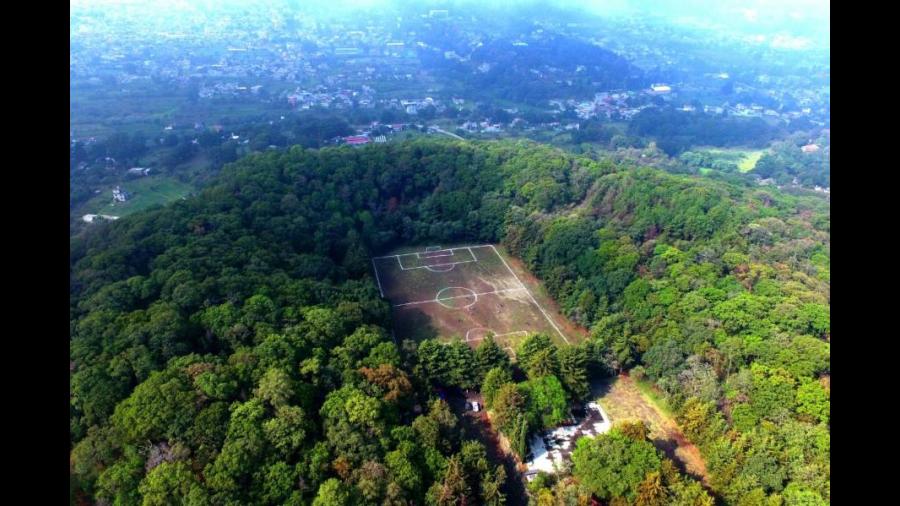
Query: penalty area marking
(419, 256)
(435, 254)
(446, 268)
(473, 339)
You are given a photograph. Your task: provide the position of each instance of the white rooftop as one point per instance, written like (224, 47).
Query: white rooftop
(550, 449)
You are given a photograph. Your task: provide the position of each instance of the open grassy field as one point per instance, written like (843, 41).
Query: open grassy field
(461, 292)
(743, 158)
(146, 192)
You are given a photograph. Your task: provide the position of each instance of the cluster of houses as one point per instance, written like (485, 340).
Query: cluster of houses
(606, 104)
(120, 195)
(482, 127)
(365, 137)
(227, 89)
(321, 96)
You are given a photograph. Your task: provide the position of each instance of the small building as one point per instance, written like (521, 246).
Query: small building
(550, 450)
(347, 51)
(90, 218)
(120, 195)
(810, 148)
(380, 139)
(356, 140)
(660, 88)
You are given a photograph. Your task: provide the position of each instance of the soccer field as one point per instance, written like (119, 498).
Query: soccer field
(460, 292)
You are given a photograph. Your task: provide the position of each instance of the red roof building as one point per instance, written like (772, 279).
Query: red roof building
(356, 140)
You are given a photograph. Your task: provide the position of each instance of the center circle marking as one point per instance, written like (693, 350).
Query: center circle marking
(447, 297)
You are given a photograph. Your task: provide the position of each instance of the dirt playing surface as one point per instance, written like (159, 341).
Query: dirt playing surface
(622, 400)
(534, 285)
(461, 292)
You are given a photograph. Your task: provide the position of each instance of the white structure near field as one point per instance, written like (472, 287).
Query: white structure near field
(120, 195)
(550, 451)
(90, 218)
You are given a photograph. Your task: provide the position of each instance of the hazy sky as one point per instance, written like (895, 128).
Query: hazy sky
(785, 22)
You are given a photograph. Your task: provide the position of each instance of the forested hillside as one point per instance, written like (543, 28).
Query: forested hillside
(232, 348)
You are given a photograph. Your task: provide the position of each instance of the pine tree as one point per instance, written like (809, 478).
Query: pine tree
(454, 489)
(492, 487)
(573, 371)
(489, 355)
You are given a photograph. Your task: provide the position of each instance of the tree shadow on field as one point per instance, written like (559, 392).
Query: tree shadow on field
(414, 324)
(600, 385)
(669, 445)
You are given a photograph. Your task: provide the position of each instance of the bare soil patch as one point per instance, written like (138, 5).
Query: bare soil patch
(622, 400)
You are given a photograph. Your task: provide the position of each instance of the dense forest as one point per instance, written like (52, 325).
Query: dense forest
(675, 130)
(232, 348)
(788, 162)
(531, 71)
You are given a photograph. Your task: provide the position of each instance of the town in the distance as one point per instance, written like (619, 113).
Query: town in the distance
(159, 102)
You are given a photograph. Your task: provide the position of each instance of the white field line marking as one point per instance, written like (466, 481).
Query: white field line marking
(473, 339)
(476, 328)
(403, 268)
(511, 333)
(531, 296)
(435, 254)
(457, 297)
(430, 268)
(434, 265)
(377, 278)
(440, 300)
(445, 249)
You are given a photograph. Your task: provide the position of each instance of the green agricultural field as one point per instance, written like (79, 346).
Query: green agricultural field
(745, 159)
(145, 192)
